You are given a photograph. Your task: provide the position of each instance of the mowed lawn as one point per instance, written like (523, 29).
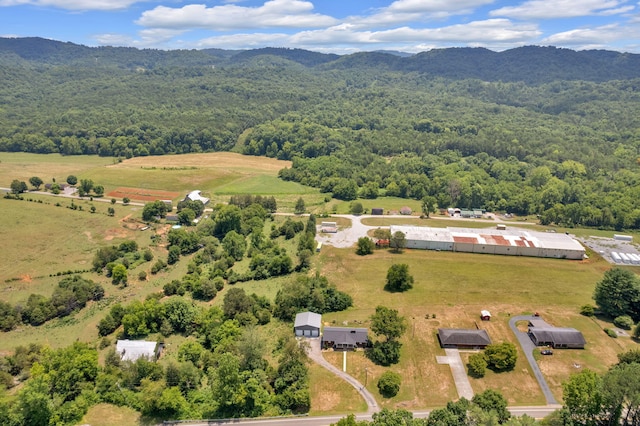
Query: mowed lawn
(450, 290)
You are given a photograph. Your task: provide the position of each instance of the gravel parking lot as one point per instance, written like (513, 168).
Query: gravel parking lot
(606, 246)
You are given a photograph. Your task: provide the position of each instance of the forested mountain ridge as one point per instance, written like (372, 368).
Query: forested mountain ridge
(552, 132)
(531, 64)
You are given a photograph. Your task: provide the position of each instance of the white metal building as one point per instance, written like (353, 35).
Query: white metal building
(307, 324)
(514, 241)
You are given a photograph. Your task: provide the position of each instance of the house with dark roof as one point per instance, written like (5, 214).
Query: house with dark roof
(557, 337)
(307, 324)
(344, 338)
(463, 338)
(544, 334)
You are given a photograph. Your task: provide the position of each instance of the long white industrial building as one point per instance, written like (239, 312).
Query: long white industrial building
(513, 242)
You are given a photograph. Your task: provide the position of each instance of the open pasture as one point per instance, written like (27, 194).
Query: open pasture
(450, 290)
(218, 175)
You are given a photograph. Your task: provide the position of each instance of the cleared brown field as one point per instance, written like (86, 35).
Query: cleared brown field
(141, 194)
(221, 160)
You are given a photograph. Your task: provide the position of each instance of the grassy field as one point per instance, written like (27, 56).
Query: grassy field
(41, 238)
(218, 175)
(450, 290)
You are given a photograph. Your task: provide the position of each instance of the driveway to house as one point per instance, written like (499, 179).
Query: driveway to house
(528, 347)
(458, 371)
(315, 353)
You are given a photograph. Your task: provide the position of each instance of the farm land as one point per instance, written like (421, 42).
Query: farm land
(41, 238)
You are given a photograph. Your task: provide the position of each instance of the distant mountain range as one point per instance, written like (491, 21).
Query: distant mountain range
(530, 64)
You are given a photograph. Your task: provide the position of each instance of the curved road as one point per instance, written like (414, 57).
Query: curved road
(528, 347)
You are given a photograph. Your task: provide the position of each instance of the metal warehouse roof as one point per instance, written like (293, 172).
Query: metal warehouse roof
(490, 236)
(423, 233)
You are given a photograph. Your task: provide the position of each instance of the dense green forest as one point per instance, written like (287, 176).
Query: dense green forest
(533, 130)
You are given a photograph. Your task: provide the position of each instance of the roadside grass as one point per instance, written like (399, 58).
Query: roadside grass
(388, 204)
(113, 415)
(332, 396)
(450, 290)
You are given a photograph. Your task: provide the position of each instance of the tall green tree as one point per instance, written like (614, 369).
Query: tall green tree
(582, 395)
(18, 187)
(36, 182)
(388, 322)
(398, 241)
(618, 293)
(398, 278)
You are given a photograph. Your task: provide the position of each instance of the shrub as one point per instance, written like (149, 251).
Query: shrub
(623, 321)
(611, 333)
(389, 384)
(477, 365)
(587, 310)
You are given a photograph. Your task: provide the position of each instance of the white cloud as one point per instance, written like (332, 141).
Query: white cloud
(408, 11)
(345, 38)
(244, 41)
(272, 14)
(545, 9)
(488, 31)
(590, 37)
(427, 6)
(74, 4)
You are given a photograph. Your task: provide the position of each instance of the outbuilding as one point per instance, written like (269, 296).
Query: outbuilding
(485, 315)
(377, 211)
(345, 338)
(463, 338)
(307, 324)
(131, 350)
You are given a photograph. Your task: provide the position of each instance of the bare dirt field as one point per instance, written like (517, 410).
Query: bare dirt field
(141, 194)
(223, 160)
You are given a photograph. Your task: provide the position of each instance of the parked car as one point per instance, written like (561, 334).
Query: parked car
(546, 352)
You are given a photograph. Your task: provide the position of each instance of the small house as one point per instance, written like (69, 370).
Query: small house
(557, 337)
(307, 324)
(131, 350)
(406, 210)
(463, 338)
(345, 338)
(196, 196)
(485, 315)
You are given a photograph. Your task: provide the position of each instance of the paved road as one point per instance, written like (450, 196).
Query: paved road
(528, 347)
(537, 412)
(315, 353)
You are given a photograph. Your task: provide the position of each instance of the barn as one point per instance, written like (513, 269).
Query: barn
(307, 324)
(514, 242)
(345, 338)
(463, 338)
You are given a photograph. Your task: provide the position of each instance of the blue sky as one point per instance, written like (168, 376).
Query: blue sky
(336, 26)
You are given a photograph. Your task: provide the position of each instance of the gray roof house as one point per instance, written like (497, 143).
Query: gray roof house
(344, 338)
(307, 324)
(463, 338)
(131, 350)
(557, 337)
